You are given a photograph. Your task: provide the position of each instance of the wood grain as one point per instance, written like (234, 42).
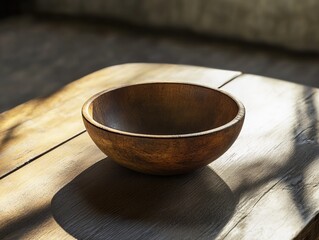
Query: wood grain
(269, 178)
(25, 211)
(31, 129)
(108, 192)
(163, 128)
(273, 166)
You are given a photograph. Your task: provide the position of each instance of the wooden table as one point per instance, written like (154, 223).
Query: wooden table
(56, 184)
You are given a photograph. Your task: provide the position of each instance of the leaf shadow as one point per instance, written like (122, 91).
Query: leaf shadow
(304, 151)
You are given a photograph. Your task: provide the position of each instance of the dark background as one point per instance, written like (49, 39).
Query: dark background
(40, 53)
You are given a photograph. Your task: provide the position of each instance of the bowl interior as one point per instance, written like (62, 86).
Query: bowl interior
(163, 109)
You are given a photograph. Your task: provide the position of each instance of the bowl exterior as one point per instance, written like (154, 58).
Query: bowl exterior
(164, 156)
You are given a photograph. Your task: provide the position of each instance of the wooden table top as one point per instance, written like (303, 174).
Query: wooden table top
(56, 184)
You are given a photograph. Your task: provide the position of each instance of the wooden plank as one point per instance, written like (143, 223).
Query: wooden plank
(264, 187)
(33, 128)
(27, 212)
(273, 167)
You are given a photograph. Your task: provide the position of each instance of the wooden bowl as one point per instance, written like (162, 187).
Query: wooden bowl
(163, 128)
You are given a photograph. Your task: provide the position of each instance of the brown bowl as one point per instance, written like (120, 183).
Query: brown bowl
(163, 128)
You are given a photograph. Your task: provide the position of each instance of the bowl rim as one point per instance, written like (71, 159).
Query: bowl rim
(85, 113)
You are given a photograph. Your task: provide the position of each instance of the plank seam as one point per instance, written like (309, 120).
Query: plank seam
(252, 208)
(41, 154)
(231, 79)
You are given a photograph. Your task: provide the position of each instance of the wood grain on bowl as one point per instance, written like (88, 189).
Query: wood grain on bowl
(163, 128)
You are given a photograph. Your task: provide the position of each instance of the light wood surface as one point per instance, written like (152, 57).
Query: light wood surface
(273, 167)
(31, 129)
(264, 187)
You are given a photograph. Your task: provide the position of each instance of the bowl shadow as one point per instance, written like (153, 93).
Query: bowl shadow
(107, 201)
